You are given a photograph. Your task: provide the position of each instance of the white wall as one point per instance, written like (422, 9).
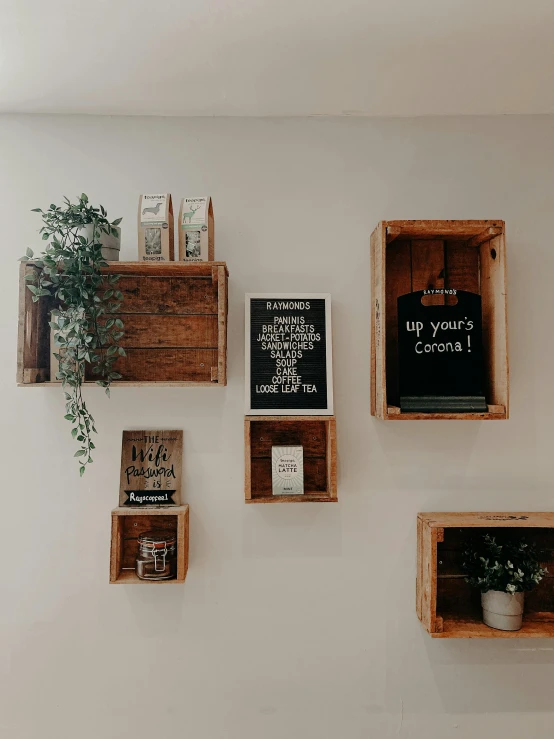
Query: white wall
(295, 621)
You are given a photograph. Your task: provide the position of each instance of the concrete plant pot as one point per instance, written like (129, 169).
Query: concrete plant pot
(111, 245)
(502, 610)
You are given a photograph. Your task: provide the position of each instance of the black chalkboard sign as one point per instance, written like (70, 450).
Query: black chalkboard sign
(288, 355)
(440, 353)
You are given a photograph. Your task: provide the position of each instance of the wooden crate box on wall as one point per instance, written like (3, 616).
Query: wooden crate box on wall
(129, 523)
(175, 317)
(407, 256)
(446, 605)
(317, 436)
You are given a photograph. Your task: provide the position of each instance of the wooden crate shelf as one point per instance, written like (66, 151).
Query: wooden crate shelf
(446, 605)
(175, 317)
(128, 523)
(316, 434)
(408, 256)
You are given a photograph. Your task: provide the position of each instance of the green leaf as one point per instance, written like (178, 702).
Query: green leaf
(69, 417)
(82, 470)
(117, 221)
(84, 197)
(29, 252)
(80, 453)
(45, 236)
(36, 210)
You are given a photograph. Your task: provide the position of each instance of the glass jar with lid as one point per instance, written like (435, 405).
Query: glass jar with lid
(157, 555)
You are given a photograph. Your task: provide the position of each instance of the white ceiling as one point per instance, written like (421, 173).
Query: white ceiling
(277, 57)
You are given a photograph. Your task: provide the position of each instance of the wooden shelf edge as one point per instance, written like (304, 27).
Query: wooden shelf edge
(131, 383)
(498, 413)
(468, 629)
(291, 499)
(129, 577)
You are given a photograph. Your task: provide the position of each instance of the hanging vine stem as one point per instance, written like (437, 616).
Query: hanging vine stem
(69, 270)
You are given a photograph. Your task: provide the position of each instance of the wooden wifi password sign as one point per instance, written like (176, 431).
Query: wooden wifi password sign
(151, 468)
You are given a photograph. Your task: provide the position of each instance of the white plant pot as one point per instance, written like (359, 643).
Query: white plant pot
(111, 245)
(502, 610)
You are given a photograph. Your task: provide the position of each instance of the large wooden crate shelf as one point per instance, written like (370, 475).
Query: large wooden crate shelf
(407, 256)
(446, 605)
(129, 523)
(175, 317)
(316, 434)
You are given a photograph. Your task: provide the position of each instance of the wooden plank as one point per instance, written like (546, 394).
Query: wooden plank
(484, 236)
(483, 519)
(247, 459)
(21, 323)
(182, 545)
(163, 295)
(115, 549)
(143, 330)
(379, 337)
(332, 459)
(311, 435)
(372, 359)
(222, 307)
(462, 267)
(392, 233)
(455, 628)
(312, 498)
(399, 282)
(459, 229)
(165, 365)
(495, 320)
(494, 413)
(160, 269)
(426, 585)
(428, 268)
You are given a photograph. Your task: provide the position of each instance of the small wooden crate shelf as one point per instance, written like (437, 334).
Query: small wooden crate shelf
(129, 523)
(175, 317)
(316, 434)
(446, 605)
(408, 256)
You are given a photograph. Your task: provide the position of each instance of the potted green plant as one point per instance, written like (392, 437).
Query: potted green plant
(69, 270)
(503, 568)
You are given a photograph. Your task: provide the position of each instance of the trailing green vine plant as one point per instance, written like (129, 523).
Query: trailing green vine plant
(84, 327)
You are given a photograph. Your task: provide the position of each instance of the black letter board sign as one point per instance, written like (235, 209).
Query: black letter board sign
(288, 355)
(440, 354)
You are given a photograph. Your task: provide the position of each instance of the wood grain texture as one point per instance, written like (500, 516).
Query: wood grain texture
(129, 523)
(464, 255)
(428, 268)
(445, 603)
(167, 365)
(175, 317)
(378, 323)
(147, 442)
(495, 320)
(457, 229)
(317, 436)
(494, 413)
(399, 282)
(150, 331)
(163, 295)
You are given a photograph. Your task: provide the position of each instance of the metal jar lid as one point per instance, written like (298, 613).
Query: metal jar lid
(157, 538)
